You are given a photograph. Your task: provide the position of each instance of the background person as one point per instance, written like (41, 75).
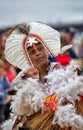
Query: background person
(4, 86)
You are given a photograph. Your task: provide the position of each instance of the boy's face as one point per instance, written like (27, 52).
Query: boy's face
(38, 54)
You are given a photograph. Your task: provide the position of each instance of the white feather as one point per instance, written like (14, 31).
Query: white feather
(65, 83)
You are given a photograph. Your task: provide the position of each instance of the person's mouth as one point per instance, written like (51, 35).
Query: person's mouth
(40, 59)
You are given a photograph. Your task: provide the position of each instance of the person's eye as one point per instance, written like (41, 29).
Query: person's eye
(40, 48)
(32, 52)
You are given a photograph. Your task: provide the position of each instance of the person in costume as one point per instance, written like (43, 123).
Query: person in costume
(50, 97)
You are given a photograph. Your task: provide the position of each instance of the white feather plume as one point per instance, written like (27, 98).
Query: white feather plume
(65, 48)
(66, 116)
(67, 86)
(29, 99)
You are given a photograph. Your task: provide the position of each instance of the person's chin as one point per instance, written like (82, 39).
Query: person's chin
(41, 63)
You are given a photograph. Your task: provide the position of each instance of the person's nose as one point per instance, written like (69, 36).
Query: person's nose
(38, 53)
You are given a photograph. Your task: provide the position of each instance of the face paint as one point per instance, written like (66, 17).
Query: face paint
(30, 41)
(33, 45)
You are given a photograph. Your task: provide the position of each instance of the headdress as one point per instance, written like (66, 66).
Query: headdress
(17, 43)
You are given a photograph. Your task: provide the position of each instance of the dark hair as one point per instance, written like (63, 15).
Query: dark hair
(23, 28)
(71, 30)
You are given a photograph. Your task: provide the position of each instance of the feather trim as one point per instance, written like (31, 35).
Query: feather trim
(67, 86)
(66, 116)
(8, 124)
(29, 99)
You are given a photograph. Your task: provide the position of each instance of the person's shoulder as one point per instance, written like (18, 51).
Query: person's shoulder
(1, 78)
(4, 79)
(6, 82)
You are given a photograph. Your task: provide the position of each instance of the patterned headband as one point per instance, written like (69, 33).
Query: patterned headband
(31, 39)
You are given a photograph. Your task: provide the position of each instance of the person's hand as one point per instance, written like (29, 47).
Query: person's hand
(32, 72)
(9, 98)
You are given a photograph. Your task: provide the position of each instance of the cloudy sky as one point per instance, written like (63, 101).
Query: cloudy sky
(47, 11)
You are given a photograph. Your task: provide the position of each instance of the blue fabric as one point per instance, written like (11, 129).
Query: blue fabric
(4, 85)
(52, 59)
(72, 54)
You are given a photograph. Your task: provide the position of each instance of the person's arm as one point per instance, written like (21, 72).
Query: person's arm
(7, 85)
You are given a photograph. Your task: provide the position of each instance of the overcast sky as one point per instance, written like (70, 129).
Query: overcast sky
(47, 11)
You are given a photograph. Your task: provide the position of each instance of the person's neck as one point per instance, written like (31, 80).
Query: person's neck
(43, 70)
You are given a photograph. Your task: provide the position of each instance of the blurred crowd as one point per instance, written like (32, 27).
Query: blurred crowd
(9, 72)
(70, 37)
